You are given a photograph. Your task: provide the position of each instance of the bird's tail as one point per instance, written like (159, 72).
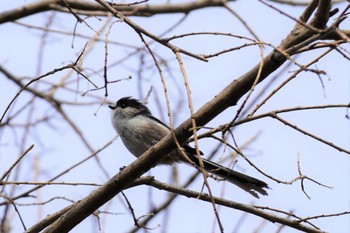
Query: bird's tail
(247, 183)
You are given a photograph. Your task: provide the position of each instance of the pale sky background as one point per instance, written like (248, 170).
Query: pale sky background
(275, 151)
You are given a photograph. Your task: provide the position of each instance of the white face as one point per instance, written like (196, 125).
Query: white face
(124, 112)
(128, 107)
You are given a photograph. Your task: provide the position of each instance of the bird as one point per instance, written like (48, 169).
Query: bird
(140, 130)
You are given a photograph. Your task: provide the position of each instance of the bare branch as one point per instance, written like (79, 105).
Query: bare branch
(92, 8)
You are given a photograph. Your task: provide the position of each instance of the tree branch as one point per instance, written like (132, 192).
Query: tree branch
(95, 9)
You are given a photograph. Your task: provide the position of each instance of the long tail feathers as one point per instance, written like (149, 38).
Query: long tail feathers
(247, 183)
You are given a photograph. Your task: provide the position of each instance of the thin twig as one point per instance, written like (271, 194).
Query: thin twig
(16, 162)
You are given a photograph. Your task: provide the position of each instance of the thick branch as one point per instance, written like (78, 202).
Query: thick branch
(92, 8)
(322, 14)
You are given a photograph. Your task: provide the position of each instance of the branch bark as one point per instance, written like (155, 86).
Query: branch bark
(95, 9)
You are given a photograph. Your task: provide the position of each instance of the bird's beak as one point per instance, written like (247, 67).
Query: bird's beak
(111, 106)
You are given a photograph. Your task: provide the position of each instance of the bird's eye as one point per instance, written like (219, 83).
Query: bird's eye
(123, 105)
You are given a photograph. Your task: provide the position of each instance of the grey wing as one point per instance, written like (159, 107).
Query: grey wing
(153, 133)
(141, 133)
(156, 132)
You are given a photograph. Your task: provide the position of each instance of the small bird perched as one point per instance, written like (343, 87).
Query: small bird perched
(140, 130)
